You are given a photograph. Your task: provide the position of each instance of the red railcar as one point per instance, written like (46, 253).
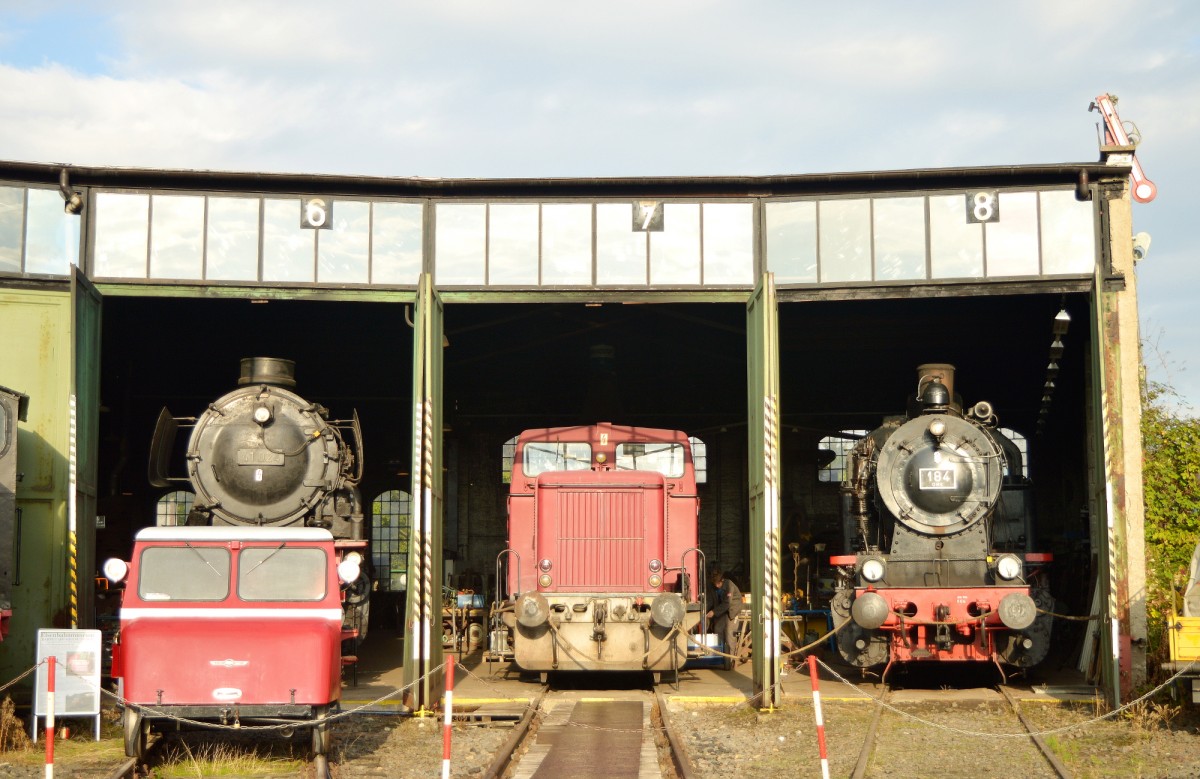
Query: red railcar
(602, 565)
(229, 625)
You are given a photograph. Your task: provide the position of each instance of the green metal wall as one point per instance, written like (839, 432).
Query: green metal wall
(36, 357)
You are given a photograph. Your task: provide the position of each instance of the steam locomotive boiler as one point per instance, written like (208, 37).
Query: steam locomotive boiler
(263, 456)
(937, 513)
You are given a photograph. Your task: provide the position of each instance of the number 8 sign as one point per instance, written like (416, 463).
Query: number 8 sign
(983, 206)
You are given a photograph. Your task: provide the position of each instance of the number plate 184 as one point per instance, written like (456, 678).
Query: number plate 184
(936, 478)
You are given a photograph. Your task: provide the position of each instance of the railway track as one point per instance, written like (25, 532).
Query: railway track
(626, 734)
(890, 726)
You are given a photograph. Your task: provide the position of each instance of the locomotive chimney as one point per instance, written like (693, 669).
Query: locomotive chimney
(268, 370)
(943, 372)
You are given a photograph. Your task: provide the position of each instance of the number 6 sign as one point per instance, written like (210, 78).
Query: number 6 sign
(316, 213)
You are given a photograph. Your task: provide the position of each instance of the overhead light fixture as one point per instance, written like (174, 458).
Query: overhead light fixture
(1062, 320)
(1052, 370)
(1056, 349)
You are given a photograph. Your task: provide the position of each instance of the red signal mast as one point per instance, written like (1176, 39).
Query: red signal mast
(1115, 135)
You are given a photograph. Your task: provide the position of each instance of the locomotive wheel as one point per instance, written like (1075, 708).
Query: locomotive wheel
(320, 736)
(137, 733)
(474, 635)
(320, 743)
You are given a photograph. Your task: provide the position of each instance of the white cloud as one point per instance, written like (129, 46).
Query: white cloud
(468, 88)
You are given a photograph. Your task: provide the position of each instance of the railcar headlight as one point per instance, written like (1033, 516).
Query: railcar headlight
(262, 415)
(545, 565)
(1008, 566)
(544, 580)
(655, 580)
(350, 568)
(873, 569)
(115, 570)
(655, 566)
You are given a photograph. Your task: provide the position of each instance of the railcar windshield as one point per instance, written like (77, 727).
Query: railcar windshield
(543, 456)
(282, 573)
(184, 573)
(666, 459)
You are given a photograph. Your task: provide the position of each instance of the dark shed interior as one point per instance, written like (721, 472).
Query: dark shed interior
(845, 365)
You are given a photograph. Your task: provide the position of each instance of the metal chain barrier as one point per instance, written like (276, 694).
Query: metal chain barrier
(22, 676)
(1022, 734)
(280, 724)
(1067, 616)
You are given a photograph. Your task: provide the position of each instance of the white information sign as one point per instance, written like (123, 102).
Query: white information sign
(76, 672)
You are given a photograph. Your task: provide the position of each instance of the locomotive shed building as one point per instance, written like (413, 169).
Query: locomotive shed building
(763, 315)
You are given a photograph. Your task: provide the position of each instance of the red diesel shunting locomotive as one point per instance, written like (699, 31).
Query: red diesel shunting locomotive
(938, 513)
(602, 559)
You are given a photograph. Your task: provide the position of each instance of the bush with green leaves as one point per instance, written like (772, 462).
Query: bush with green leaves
(1171, 472)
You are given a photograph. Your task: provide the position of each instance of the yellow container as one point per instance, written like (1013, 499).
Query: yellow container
(1184, 635)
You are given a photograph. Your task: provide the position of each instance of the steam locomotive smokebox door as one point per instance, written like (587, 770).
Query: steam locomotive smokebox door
(262, 454)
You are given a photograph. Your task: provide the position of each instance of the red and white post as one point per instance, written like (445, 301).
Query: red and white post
(50, 717)
(449, 704)
(812, 675)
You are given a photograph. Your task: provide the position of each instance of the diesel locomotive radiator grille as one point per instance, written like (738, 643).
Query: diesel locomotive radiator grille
(601, 540)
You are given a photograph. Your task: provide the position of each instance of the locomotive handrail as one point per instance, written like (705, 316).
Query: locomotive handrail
(701, 594)
(607, 485)
(498, 587)
(356, 428)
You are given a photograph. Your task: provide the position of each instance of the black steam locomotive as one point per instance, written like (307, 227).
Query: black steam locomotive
(262, 455)
(937, 513)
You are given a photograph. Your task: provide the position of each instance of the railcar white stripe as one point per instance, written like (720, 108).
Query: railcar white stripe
(333, 615)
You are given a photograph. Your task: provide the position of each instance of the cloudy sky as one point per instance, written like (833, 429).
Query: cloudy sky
(530, 89)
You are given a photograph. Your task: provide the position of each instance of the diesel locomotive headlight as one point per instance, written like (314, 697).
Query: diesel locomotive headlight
(655, 566)
(873, 569)
(655, 580)
(545, 565)
(544, 580)
(1008, 566)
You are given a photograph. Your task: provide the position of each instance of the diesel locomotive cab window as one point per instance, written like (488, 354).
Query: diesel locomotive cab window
(280, 573)
(184, 573)
(666, 459)
(542, 456)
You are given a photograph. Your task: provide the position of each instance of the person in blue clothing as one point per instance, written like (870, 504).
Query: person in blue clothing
(726, 605)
